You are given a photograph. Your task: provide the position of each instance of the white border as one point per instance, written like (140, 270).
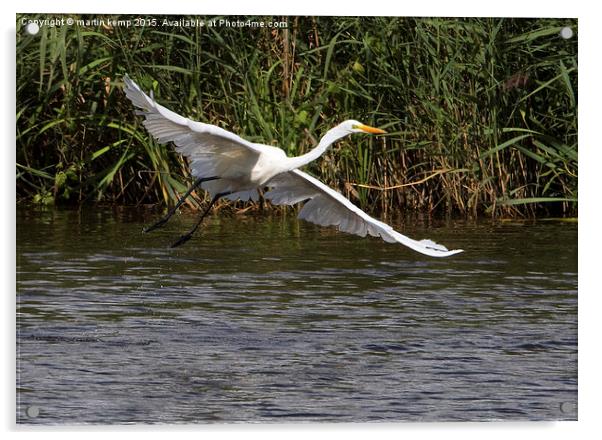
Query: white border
(589, 237)
(456, 8)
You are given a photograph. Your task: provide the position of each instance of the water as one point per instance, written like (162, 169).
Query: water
(267, 319)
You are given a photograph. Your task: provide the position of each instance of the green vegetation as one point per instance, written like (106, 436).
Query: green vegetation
(482, 113)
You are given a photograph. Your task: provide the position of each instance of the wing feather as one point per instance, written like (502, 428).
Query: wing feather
(209, 149)
(327, 207)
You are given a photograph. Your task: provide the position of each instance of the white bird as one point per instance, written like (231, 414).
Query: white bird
(228, 166)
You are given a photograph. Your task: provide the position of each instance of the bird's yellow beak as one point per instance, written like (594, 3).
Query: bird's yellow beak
(369, 129)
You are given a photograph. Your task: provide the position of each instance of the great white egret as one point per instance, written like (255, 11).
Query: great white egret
(227, 165)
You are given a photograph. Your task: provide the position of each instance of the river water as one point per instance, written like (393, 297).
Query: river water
(268, 319)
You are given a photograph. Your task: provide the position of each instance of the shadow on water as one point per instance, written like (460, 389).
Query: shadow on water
(270, 319)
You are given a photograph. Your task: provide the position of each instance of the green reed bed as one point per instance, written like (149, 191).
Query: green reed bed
(481, 113)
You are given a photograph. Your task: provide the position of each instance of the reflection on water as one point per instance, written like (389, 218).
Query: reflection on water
(269, 319)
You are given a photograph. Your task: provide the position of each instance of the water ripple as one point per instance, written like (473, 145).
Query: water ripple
(292, 324)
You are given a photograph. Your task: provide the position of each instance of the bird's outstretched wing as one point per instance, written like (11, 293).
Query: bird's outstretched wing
(327, 207)
(211, 150)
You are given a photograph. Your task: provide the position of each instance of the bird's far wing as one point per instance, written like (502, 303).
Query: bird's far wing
(327, 207)
(211, 150)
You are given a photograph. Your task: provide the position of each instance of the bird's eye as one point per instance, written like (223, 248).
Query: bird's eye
(355, 126)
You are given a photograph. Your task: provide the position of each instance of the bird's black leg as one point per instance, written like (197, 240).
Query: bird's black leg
(173, 210)
(184, 238)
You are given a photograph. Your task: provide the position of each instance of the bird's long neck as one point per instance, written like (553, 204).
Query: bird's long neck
(327, 140)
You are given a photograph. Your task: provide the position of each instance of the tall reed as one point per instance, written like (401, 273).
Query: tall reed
(481, 113)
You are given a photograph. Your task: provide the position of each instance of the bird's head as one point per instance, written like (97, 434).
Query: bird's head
(353, 126)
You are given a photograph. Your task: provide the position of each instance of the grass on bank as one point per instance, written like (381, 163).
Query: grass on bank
(481, 113)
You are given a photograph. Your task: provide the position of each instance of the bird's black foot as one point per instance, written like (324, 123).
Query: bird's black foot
(156, 225)
(180, 241)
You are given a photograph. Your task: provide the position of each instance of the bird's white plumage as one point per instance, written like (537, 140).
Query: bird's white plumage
(327, 207)
(211, 150)
(243, 167)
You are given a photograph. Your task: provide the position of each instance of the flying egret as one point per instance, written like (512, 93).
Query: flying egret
(228, 166)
